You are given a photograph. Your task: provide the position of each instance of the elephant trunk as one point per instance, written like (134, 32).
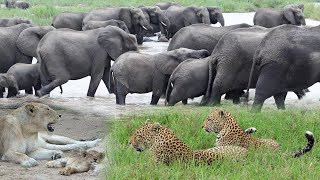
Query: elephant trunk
(29, 38)
(303, 22)
(168, 91)
(221, 20)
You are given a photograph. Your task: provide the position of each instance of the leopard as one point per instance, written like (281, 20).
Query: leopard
(166, 147)
(229, 132)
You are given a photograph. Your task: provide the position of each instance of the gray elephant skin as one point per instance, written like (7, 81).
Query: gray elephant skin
(6, 22)
(158, 20)
(268, 17)
(166, 5)
(287, 59)
(180, 17)
(133, 17)
(21, 76)
(66, 55)
(69, 20)
(200, 36)
(134, 72)
(98, 24)
(21, 5)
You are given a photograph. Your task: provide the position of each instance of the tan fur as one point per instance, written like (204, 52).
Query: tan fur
(166, 147)
(19, 134)
(229, 132)
(78, 163)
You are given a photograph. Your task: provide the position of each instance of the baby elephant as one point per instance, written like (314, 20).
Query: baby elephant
(98, 24)
(21, 76)
(134, 72)
(6, 22)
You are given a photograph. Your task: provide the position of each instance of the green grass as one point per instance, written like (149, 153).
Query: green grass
(286, 127)
(43, 11)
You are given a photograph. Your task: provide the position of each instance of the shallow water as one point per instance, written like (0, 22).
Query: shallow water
(74, 92)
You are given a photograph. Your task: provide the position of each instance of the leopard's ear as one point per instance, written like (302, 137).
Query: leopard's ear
(148, 121)
(221, 113)
(156, 126)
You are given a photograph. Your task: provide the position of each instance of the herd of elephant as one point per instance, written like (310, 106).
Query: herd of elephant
(201, 60)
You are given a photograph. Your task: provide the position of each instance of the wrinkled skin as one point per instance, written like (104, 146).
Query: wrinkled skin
(6, 22)
(21, 76)
(157, 19)
(10, 54)
(268, 17)
(231, 62)
(166, 5)
(134, 72)
(200, 36)
(63, 55)
(180, 17)
(286, 61)
(133, 17)
(69, 20)
(98, 24)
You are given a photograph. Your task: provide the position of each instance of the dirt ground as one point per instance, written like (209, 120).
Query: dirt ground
(74, 124)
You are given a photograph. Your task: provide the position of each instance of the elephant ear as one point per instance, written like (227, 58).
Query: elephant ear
(289, 14)
(167, 63)
(126, 17)
(112, 42)
(190, 16)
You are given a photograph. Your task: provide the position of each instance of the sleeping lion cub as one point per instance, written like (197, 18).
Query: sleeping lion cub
(81, 162)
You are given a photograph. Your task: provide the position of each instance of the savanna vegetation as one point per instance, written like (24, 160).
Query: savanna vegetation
(286, 127)
(43, 11)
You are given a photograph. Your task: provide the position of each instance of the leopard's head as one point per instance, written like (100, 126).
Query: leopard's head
(143, 137)
(214, 121)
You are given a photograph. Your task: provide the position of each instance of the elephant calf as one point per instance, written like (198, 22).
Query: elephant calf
(98, 24)
(21, 76)
(134, 72)
(6, 22)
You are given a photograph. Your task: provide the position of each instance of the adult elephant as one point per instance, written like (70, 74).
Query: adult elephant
(6, 22)
(71, 20)
(98, 24)
(231, 61)
(157, 19)
(133, 17)
(66, 55)
(268, 17)
(166, 5)
(180, 17)
(200, 36)
(134, 72)
(287, 59)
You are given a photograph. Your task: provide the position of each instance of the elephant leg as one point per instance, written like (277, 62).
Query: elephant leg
(173, 98)
(158, 87)
(37, 86)
(97, 74)
(29, 90)
(53, 84)
(1, 92)
(155, 99)
(121, 93)
(139, 37)
(12, 92)
(185, 101)
(279, 99)
(105, 78)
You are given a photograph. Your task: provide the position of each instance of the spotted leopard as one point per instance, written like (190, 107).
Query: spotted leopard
(229, 132)
(166, 147)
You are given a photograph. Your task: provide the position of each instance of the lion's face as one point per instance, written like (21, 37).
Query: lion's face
(142, 138)
(93, 156)
(213, 122)
(42, 116)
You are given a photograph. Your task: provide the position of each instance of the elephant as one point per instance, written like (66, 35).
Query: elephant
(97, 24)
(299, 6)
(268, 17)
(134, 72)
(231, 62)
(166, 5)
(157, 19)
(9, 3)
(180, 17)
(65, 55)
(200, 36)
(287, 59)
(190, 80)
(21, 76)
(69, 20)
(7, 22)
(133, 17)
(21, 5)
(215, 15)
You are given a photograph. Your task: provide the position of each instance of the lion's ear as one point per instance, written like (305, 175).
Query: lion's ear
(30, 109)
(83, 153)
(101, 155)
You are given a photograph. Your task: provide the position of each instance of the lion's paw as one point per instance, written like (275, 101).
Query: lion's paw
(50, 164)
(29, 162)
(65, 171)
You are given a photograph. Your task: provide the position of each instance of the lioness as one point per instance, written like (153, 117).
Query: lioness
(19, 134)
(78, 163)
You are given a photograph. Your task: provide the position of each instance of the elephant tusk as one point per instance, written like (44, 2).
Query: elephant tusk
(163, 23)
(144, 27)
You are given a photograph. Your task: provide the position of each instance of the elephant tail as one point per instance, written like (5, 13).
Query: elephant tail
(211, 76)
(308, 147)
(111, 82)
(168, 91)
(61, 90)
(255, 59)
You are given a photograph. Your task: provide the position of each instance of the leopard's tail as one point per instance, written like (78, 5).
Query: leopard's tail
(308, 147)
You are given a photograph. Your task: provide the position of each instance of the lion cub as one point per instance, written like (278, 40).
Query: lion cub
(81, 162)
